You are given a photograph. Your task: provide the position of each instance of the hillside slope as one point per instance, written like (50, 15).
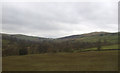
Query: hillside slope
(22, 45)
(25, 37)
(93, 37)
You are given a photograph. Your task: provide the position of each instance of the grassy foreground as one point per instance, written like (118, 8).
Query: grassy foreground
(83, 61)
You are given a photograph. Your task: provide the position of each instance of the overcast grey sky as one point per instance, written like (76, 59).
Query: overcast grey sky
(59, 19)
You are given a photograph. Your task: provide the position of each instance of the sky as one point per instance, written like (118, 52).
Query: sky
(58, 19)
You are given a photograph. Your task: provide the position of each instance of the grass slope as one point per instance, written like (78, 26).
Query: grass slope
(83, 61)
(93, 37)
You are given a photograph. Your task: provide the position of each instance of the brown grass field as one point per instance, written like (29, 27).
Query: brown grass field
(81, 61)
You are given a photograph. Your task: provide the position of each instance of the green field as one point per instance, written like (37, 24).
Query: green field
(115, 46)
(82, 61)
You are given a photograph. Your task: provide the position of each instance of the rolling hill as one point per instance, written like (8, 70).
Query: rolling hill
(25, 37)
(23, 44)
(85, 35)
(94, 36)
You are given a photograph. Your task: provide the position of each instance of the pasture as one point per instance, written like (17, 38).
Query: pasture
(77, 61)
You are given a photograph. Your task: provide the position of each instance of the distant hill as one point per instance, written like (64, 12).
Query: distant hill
(25, 37)
(85, 35)
(22, 44)
(88, 37)
(93, 37)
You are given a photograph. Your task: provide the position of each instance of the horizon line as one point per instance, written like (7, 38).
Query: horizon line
(52, 37)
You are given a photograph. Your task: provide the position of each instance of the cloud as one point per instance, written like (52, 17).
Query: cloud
(59, 19)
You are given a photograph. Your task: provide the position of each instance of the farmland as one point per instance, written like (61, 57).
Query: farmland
(80, 61)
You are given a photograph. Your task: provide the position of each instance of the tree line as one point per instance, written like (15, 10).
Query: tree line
(14, 46)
